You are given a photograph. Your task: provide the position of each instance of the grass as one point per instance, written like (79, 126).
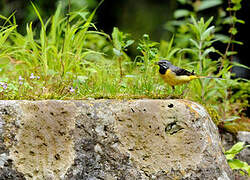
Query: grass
(71, 61)
(66, 57)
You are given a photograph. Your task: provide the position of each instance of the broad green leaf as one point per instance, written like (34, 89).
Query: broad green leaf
(194, 22)
(240, 21)
(152, 44)
(229, 9)
(230, 53)
(192, 51)
(207, 51)
(235, 149)
(208, 43)
(194, 43)
(117, 52)
(172, 52)
(228, 20)
(116, 39)
(207, 33)
(237, 7)
(236, 1)
(222, 37)
(240, 65)
(201, 22)
(181, 13)
(195, 31)
(237, 164)
(206, 4)
(237, 42)
(208, 22)
(233, 31)
(182, 1)
(128, 43)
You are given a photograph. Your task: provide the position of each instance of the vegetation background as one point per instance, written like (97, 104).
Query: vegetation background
(135, 17)
(79, 49)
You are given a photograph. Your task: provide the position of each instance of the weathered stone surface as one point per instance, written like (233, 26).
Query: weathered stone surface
(109, 139)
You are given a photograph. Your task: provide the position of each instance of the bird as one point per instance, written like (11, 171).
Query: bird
(174, 75)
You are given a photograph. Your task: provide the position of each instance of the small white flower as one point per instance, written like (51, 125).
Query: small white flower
(4, 85)
(32, 76)
(20, 78)
(72, 90)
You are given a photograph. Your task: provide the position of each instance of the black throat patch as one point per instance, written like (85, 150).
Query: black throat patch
(162, 70)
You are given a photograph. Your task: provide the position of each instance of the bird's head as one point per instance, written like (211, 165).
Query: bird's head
(164, 64)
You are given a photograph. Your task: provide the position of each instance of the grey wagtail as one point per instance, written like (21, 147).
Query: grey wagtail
(174, 75)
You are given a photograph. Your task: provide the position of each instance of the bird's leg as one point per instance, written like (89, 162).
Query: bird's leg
(173, 89)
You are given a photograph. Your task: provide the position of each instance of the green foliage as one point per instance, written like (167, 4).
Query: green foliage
(121, 42)
(57, 53)
(196, 42)
(148, 50)
(146, 62)
(68, 58)
(200, 48)
(208, 90)
(201, 45)
(234, 6)
(236, 163)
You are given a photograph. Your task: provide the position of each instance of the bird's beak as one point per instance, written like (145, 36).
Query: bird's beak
(156, 63)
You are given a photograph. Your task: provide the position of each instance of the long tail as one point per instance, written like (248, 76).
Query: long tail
(210, 77)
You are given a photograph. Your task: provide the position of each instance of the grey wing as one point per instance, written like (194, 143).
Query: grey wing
(179, 71)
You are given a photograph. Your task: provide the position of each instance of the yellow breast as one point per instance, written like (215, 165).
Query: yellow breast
(171, 78)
